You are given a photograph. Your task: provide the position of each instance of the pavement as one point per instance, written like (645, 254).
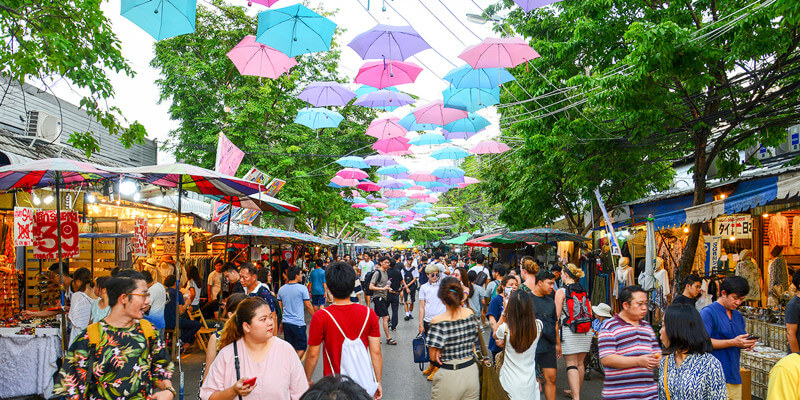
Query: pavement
(402, 378)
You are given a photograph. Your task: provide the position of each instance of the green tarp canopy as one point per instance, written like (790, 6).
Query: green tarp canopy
(460, 239)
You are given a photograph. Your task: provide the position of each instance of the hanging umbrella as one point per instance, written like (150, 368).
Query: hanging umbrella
(419, 196)
(323, 94)
(394, 193)
(380, 161)
(388, 42)
(421, 177)
(498, 53)
(352, 162)
(440, 216)
(352, 173)
(334, 185)
(359, 199)
(393, 145)
(449, 153)
(257, 59)
(392, 169)
(391, 183)
(416, 187)
(437, 113)
(471, 99)
(381, 74)
(379, 205)
(368, 186)
(316, 118)
(430, 184)
(410, 123)
(457, 135)
(465, 77)
(448, 172)
(529, 5)
(428, 139)
(441, 189)
(359, 205)
(490, 147)
(451, 181)
(267, 3)
(295, 30)
(468, 181)
(384, 99)
(344, 182)
(386, 128)
(163, 18)
(364, 89)
(472, 124)
(423, 204)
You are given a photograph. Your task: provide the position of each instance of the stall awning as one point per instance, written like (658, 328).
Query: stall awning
(273, 236)
(460, 239)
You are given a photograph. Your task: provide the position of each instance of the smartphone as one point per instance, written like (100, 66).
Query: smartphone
(753, 337)
(250, 382)
(507, 291)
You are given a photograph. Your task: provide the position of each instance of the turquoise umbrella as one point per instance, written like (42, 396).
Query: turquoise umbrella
(392, 169)
(410, 123)
(471, 99)
(352, 162)
(428, 139)
(473, 123)
(161, 18)
(449, 153)
(295, 30)
(465, 77)
(448, 172)
(364, 89)
(316, 118)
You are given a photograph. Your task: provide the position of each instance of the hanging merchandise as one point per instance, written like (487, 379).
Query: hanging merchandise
(23, 226)
(748, 269)
(45, 232)
(778, 231)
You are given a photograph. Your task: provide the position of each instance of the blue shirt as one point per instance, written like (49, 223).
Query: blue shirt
(293, 295)
(719, 326)
(495, 310)
(169, 311)
(317, 281)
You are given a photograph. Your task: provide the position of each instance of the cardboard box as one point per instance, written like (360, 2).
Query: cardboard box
(746, 387)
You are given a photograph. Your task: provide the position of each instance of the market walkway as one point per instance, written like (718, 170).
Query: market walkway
(402, 378)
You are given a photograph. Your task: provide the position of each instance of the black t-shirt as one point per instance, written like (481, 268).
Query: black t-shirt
(681, 299)
(545, 309)
(233, 288)
(793, 313)
(397, 278)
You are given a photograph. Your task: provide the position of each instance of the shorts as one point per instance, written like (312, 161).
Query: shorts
(546, 360)
(411, 292)
(734, 391)
(354, 299)
(381, 307)
(296, 336)
(317, 299)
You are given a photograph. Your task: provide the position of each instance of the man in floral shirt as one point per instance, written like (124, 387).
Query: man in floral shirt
(126, 359)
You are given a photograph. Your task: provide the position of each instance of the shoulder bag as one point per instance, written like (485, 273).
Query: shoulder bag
(236, 364)
(491, 388)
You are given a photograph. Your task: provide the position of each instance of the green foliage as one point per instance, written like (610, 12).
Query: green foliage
(418, 235)
(209, 96)
(70, 39)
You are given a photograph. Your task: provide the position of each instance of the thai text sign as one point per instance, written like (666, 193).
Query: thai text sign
(140, 237)
(45, 233)
(23, 226)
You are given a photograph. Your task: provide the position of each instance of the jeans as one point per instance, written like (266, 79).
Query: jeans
(394, 303)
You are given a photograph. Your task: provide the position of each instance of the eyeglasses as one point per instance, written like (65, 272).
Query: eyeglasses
(432, 275)
(143, 295)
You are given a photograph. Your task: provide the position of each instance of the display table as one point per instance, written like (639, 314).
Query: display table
(29, 362)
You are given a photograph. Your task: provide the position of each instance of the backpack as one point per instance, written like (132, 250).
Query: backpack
(356, 361)
(579, 310)
(408, 275)
(367, 280)
(481, 278)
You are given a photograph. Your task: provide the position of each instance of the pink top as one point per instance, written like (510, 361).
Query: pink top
(280, 375)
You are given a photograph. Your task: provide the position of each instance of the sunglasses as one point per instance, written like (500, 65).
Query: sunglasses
(435, 274)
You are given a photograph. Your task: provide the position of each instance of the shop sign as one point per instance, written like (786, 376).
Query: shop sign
(713, 248)
(45, 233)
(275, 186)
(23, 226)
(739, 226)
(140, 237)
(287, 255)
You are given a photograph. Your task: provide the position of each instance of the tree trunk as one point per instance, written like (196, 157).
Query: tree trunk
(700, 185)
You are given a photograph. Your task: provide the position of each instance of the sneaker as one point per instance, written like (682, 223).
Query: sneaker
(407, 317)
(410, 317)
(392, 329)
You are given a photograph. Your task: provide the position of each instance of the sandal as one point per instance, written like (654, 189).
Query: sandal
(391, 342)
(568, 393)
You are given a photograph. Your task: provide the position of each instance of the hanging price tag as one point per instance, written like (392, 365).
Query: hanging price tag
(23, 226)
(140, 237)
(45, 233)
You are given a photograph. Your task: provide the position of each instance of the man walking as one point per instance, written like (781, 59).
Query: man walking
(214, 289)
(692, 289)
(252, 287)
(292, 297)
(395, 285)
(343, 320)
(318, 286)
(629, 350)
(379, 285)
(725, 326)
(549, 347)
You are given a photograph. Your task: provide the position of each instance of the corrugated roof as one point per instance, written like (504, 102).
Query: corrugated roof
(40, 149)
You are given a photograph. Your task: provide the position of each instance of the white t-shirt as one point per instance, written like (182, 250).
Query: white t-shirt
(433, 304)
(196, 300)
(158, 299)
(365, 266)
(215, 281)
(480, 268)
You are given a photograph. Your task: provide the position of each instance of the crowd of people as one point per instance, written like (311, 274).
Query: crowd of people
(534, 316)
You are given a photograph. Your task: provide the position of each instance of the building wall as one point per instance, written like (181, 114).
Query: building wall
(13, 120)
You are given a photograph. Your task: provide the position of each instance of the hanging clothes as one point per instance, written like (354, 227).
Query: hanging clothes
(778, 279)
(778, 232)
(748, 269)
(670, 249)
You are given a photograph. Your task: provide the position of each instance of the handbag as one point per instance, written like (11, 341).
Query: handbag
(666, 386)
(491, 388)
(420, 351)
(501, 356)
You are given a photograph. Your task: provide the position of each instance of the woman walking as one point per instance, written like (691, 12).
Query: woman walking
(451, 342)
(574, 345)
(689, 371)
(521, 334)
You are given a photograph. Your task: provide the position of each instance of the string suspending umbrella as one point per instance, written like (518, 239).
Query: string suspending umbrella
(295, 30)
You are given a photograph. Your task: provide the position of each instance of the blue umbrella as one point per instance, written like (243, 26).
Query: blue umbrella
(295, 30)
(364, 89)
(423, 204)
(352, 162)
(448, 172)
(392, 169)
(410, 123)
(163, 18)
(471, 99)
(430, 185)
(316, 118)
(473, 123)
(484, 78)
(334, 185)
(449, 153)
(428, 139)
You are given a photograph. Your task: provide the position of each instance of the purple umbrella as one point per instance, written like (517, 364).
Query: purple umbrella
(322, 94)
(384, 99)
(529, 5)
(458, 135)
(388, 42)
(380, 161)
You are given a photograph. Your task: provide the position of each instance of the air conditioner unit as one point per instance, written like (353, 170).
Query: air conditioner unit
(43, 126)
(792, 143)
(762, 153)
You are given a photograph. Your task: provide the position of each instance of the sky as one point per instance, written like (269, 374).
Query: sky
(442, 23)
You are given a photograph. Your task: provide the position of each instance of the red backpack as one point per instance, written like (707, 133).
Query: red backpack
(579, 310)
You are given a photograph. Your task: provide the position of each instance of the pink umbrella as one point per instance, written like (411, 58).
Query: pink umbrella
(344, 182)
(422, 177)
(386, 128)
(498, 53)
(368, 186)
(407, 213)
(398, 144)
(267, 3)
(416, 187)
(393, 212)
(394, 193)
(379, 74)
(468, 180)
(355, 194)
(433, 199)
(352, 173)
(419, 196)
(379, 205)
(359, 205)
(408, 219)
(436, 113)
(490, 147)
(257, 59)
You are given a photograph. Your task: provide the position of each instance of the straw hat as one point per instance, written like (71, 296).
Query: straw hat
(602, 310)
(167, 259)
(150, 262)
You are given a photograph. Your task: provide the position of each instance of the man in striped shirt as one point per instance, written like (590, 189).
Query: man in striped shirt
(629, 350)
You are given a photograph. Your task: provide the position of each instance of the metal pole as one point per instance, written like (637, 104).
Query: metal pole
(177, 334)
(228, 233)
(60, 265)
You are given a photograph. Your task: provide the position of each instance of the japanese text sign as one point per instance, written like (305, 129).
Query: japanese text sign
(739, 226)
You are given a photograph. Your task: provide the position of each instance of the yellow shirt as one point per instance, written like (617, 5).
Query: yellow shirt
(784, 379)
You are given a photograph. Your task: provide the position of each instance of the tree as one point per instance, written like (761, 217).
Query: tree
(690, 80)
(209, 96)
(70, 39)
(418, 235)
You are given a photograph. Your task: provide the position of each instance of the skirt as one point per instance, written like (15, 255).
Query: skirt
(574, 343)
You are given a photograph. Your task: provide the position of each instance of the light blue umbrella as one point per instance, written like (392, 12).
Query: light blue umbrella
(484, 78)
(471, 99)
(449, 153)
(359, 200)
(432, 219)
(448, 172)
(423, 204)
(334, 185)
(392, 169)
(295, 30)
(163, 18)
(410, 123)
(316, 118)
(352, 162)
(364, 89)
(473, 123)
(430, 185)
(428, 139)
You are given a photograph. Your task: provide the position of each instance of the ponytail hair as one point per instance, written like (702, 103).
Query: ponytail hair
(234, 326)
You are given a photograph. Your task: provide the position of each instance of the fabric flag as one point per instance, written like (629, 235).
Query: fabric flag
(275, 186)
(228, 159)
(244, 215)
(615, 250)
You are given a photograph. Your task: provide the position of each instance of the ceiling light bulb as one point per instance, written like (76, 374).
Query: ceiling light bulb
(48, 199)
(723, 196)
(686, 229)
(766, 215)
(127, 188)
(90, 198)
(36, 200)
(732, 238)
(137, 196)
